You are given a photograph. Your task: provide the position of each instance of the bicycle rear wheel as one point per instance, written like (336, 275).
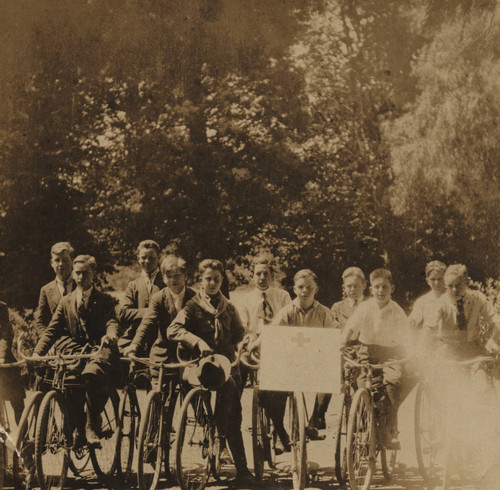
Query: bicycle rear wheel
(23, 464)
(150, 450)
(104, 457)
(361, 441)
(298, 439)
(194, 445)
(51, 442)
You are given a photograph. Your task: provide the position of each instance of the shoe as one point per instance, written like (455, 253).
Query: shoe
(280, 447)
(313, 434)
(244, 478)
(225, 456)
(79, 439)
(93, 440)
(393, 444)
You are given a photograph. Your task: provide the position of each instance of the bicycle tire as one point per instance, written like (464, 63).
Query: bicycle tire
(298, 440)
(105, 456)
(341, 445)
(51, 442)
(24, 455)
(257, 435)
(195, 434)
(129, 420)
(361, 462)
(149, 450)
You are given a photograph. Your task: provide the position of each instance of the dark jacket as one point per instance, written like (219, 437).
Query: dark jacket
(47, 304)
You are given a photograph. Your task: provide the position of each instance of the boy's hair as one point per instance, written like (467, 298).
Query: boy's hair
(173, 262)
(262, 260)
(305, 274)
(61, 247)
(86, 260)
(147, 244)
(381, 274)
(457, 270)
(353, 272)
(210, 264)
(434, 266)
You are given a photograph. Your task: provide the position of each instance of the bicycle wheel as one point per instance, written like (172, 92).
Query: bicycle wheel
(129, 420)
(195, 441)
(149, 450)
(23, 464)
(169, 435)
(269, 438)
(298, 439)
(341, 446)
(51, 442)
(428, 443)
(361, 441)
(219, 469)
(105, 455)
(258, 435)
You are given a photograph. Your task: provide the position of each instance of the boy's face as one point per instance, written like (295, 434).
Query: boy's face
(62, 265)
(381, 289)
(435, 280)
(305, 288)
(148, 259)
(354, 287)
(456, 286)
(211, 281)
(175, 280)
(262, 276)
(83, 275)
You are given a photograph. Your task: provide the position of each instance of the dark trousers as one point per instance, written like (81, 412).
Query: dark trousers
(274, 402)
(317, 420)
(228, 419)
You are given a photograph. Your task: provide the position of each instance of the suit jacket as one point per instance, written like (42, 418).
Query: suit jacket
(154, 325)
(47, 303)
(98, 320)
(6, 334)
(135, 304)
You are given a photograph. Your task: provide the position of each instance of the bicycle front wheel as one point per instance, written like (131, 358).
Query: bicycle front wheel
(23, 468)
(341, 447)
(51, 442)
(298, 439)
(129, 418)
(150, 451)
(257, 435)
(361, 441)
(104, 456)
(194, 445)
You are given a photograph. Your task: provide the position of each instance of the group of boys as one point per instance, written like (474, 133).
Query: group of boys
(159, 311)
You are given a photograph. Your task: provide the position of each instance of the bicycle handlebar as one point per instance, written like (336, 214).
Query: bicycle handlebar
(165, 365)
(13, 364)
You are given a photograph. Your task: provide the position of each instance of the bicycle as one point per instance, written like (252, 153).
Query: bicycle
(435, 448)
(55, 451)
(366, 423)
(197, 446)
(156, 437)
(129, 416)
(5, 429)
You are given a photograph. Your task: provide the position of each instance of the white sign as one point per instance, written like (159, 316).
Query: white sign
(303, 359)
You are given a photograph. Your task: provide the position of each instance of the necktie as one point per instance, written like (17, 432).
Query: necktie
(81, 306)
(461, 320)
(265, 311)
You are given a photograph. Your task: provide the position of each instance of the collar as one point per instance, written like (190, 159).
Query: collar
(179, 295)
(152, 277)
(86, 294)
(296, 303)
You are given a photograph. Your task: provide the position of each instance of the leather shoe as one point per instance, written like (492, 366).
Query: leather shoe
(280, 448)
(244, 478)
(225, 457)
(313, 434)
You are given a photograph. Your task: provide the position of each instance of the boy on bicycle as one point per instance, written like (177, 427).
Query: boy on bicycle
(381, 327)
(207, 324)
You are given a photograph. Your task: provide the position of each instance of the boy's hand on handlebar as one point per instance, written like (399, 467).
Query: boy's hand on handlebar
(130, 350)
(205, 349)
(111, 339)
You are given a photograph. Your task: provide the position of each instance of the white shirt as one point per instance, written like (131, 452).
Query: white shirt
(178, 299)
(86, 296)
(387, 326)
(250, 306)
(63, 287)
(149, 280)
(424, 311)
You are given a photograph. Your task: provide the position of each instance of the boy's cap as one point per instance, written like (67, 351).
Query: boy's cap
(212, 372)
